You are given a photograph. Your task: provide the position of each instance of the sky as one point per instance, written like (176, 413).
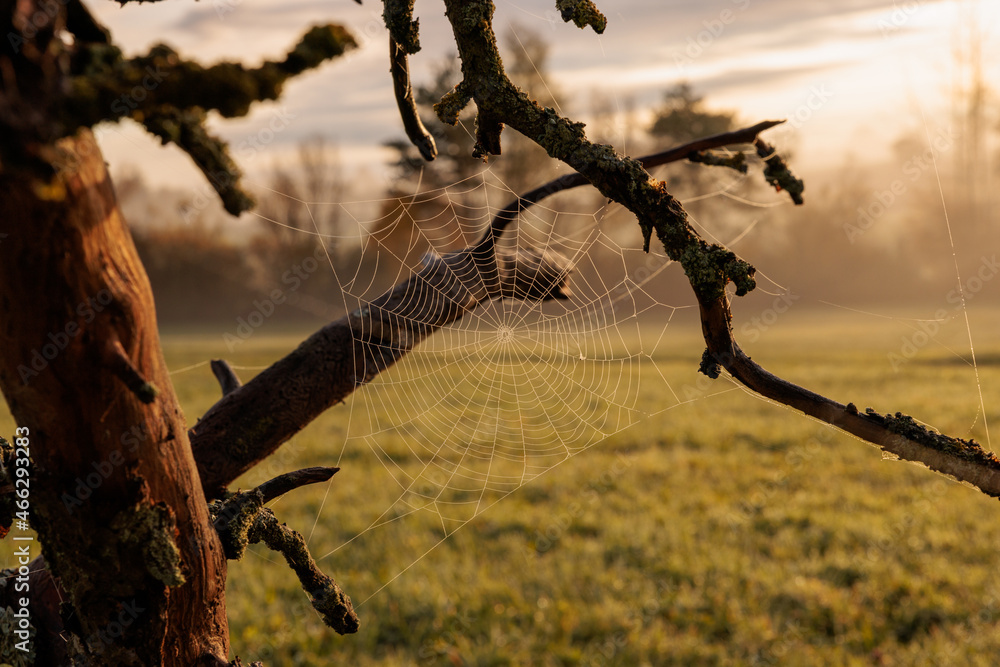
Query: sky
(849, 75)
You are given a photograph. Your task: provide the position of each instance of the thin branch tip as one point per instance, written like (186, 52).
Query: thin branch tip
(289, 481)
(402, 87)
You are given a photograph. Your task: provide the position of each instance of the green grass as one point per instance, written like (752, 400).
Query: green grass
(720, 531)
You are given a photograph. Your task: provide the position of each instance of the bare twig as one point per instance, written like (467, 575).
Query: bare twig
(963, 460)
(282, 484)
(117, 361)
(224, 373)
(403, 90)
(746, 135)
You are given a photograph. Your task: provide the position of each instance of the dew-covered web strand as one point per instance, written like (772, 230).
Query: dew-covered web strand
(958, 278)
(569, 373)
(514, 324)
(550, 340)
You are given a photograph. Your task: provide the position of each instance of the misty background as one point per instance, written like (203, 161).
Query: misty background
(873, 231)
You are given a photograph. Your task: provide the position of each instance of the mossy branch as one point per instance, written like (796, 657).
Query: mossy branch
(403, 30)
(186, 129)
(326, 596)
(167, 94)
(777, 173)
(687, 151)
(582, 13)
(709, 267)
(110, 87)
(736, 161)
(243, 520)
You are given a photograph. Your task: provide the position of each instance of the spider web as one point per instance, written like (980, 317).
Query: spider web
(513, 389)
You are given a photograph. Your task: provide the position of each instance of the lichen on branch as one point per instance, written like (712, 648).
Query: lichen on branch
(735, 160)
(909, 428)
(398, 16)
(582, 13)
(242, 520)
(186, 129)
(777, 173)
(167, 94)
(709, 267)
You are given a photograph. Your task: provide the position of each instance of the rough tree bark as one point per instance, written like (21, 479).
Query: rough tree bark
(79, 343)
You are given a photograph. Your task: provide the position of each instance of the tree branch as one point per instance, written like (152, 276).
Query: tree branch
(688, 151)
(249, 423)
(709, 267)
(403, 89)
(99, 85)
(243, 520)
(899, 434)
(282, 484)
(777, 173)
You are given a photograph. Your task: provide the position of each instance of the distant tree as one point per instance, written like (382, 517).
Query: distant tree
(300, 219)
(683, 117)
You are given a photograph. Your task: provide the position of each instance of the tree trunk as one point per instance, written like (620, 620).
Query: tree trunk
(115, 494)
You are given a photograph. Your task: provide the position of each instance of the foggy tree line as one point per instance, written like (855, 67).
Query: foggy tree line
(884, 219)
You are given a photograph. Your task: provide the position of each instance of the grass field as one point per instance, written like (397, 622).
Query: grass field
(721, 530)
